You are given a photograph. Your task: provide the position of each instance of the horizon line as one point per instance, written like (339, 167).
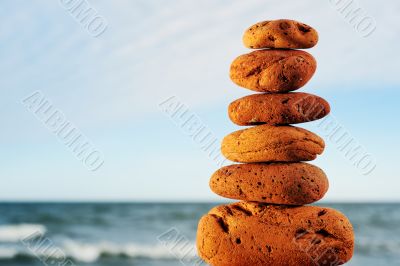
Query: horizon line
(160, 201)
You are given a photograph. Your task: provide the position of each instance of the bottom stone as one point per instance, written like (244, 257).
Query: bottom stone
(250, 233)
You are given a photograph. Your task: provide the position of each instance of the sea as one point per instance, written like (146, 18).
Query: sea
(154, 234)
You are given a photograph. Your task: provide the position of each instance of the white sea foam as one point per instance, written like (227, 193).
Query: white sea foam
(8, 253)
(86, 252)
(91, 252)
(16, 232)
(12, 235)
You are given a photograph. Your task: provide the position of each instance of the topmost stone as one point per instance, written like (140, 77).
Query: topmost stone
(281, 33)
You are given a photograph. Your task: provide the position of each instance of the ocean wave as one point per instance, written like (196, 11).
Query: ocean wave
(92, 252)
(367, 246)
(16, 232)
(8, 253)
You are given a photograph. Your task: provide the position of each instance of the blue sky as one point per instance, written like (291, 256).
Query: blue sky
(110, 88)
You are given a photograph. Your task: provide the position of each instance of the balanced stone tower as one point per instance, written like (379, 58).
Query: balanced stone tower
(270, 225)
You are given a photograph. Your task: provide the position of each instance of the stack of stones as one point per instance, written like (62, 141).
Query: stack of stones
(270, 225)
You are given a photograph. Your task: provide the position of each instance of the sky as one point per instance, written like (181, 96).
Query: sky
(110, 88)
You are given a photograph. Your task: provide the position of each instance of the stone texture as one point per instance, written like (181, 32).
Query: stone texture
(277, 109)
(253, 234)
(277, 183)
(281, 33)
(267, 143)
(273, 70)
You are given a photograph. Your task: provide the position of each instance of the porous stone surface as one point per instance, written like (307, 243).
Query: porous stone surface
(277, 109)
(277, 183)
(281, 33)
(265, 143)
(273, 70)
(249, 233)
